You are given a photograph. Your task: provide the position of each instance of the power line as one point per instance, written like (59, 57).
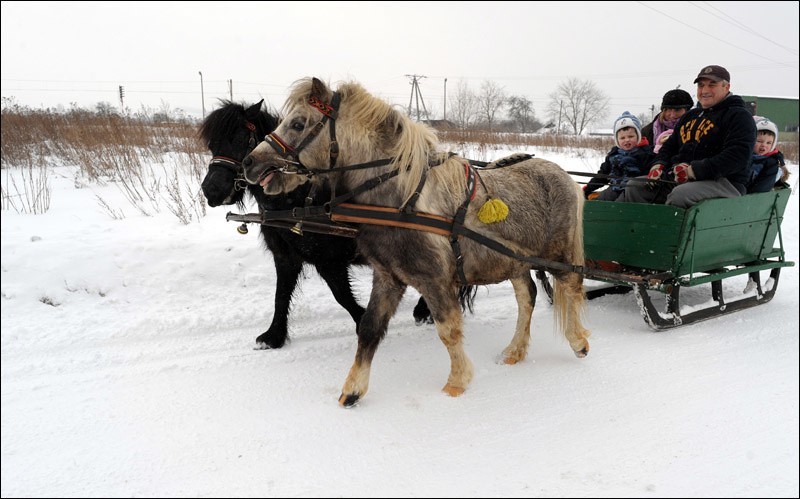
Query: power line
(710, 35)
(741, 26)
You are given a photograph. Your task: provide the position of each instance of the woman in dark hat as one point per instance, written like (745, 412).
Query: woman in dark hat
(674, 104)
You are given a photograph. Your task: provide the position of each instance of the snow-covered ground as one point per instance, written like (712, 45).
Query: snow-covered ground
(128, 369)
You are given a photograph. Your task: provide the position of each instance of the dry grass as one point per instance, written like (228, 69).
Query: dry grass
(104, 148)
(159, 165)
(547, 142)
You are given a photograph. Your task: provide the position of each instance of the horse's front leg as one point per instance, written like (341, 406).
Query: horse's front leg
(443, 302)
(287, 270)
(525, 292)
(337, 276)
(387, 291)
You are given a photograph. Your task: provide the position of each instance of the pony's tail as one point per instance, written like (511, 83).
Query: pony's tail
(578, 257)
(466, 297)
(569, 299)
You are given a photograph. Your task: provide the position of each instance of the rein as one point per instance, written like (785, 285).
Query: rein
(635, 179)
(339, 210)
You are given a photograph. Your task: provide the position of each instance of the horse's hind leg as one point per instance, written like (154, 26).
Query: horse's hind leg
(525, 292)
(422, 314)
(338, 279)
(387, 292)
(569, 301)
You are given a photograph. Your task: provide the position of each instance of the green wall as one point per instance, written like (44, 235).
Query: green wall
(783, 112)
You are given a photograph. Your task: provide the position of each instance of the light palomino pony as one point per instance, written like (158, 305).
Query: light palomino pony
(544, 220)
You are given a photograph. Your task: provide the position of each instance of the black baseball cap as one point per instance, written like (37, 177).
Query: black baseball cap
(714, 73)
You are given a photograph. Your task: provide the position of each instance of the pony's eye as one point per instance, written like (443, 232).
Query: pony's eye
(298, 126)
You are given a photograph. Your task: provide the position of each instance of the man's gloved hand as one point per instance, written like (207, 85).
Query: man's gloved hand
(654, 176)
(683, 172)
(655, 172)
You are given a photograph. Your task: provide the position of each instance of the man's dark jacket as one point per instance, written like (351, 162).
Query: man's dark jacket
(718, 142)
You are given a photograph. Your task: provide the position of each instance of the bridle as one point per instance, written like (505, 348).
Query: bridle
(291, 155)
(234, 166)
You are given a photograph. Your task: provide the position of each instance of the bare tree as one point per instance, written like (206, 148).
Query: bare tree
(105, 109)
(463, 106)
(521, 114)
(577, 104)
(490, 99)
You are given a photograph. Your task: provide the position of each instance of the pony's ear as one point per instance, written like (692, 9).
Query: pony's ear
(253, 110)
(389, 129)
(319, 90)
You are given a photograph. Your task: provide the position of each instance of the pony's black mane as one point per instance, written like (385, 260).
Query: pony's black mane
(229, 116)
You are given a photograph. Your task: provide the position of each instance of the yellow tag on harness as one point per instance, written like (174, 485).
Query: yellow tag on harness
(493, 210)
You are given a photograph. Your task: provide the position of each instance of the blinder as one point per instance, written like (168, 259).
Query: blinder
(291, 155)
(225, 176)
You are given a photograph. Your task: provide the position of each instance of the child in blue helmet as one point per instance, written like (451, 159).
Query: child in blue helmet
(629, 158)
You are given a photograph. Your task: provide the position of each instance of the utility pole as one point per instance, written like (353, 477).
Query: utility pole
(652, 111)
(121, 97)
(560, 107)
(202, 94)
(445, 99)
(415, 91)
(230, 87)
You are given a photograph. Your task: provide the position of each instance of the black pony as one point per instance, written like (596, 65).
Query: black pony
(231, 132)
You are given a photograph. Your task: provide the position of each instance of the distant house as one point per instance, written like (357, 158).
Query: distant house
(602, 132)
(783, 111)
(440, 124)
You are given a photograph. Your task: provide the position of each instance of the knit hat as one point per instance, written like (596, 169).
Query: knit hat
(677, 99)
(765, 125)
(626, 120)
(715, 73)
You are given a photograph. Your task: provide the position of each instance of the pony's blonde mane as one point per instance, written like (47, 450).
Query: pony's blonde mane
(412, 144)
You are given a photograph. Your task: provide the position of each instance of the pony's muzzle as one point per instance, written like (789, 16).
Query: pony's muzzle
(218, 185)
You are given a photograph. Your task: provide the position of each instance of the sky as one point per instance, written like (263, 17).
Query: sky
(57, 53)
(128, 370)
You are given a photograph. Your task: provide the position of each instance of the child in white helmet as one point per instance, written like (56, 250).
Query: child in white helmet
(769, 166)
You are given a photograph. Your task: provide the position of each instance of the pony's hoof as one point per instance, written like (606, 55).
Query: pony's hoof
(266, 342)
(453, 391)
(512, 357)
(348, 400)
(583, 352)
(260, 345)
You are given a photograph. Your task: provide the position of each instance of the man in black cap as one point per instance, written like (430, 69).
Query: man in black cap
(674, 105)
(709, 154)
